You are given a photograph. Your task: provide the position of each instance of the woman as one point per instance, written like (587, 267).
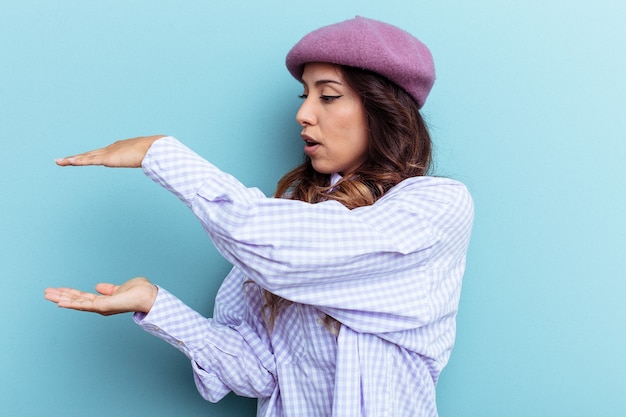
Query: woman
(344, 291)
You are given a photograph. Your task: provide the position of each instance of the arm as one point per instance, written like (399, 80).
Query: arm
(377, 268)
(395, 265)
(224, 357)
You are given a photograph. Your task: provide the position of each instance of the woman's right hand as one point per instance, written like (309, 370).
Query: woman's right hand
(128, 153)
(135, 295)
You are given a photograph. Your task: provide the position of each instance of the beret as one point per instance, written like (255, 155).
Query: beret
(371, 45)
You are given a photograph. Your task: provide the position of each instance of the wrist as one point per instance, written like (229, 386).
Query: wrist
(152, 292)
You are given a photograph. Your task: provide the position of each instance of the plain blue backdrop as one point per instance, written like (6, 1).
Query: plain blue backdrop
(529, 110)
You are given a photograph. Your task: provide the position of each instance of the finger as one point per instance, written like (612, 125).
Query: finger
(71, 292)
(55, 294)
(75, 299)
(94, 157)
(77, 304)
(63, 162)
(106, 288)
(52, 294)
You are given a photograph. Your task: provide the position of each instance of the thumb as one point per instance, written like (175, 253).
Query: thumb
(106, 288)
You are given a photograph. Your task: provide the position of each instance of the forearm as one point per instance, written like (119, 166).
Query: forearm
(181, 171)
(224, 358)
(390, 260)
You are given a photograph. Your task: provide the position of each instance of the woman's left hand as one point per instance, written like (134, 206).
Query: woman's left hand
(135, 295)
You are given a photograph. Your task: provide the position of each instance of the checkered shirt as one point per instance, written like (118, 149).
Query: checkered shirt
(390, 273)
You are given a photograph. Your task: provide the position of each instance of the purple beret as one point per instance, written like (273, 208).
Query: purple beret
(372, 45)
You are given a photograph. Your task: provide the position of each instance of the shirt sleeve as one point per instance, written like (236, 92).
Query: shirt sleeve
(394, 265)
(224, 358)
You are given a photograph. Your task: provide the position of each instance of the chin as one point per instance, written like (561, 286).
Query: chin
(322, 169)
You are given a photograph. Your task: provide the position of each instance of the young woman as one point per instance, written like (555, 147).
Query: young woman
(344, 292)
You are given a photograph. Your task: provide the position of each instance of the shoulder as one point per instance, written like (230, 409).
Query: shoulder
(435, 189)
(435, 198)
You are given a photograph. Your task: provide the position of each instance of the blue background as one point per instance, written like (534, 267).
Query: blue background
(528, 110)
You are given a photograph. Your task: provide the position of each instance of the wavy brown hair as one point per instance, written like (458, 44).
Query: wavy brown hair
(399, 148)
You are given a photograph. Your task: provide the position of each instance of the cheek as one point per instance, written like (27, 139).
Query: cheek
(353, 122)
(360, 133)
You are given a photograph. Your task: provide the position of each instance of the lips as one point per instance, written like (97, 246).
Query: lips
(310, 145)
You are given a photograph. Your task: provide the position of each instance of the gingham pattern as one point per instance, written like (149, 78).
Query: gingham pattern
(390, 273)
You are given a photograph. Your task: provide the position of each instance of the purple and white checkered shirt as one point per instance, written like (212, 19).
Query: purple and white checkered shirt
(390, 273)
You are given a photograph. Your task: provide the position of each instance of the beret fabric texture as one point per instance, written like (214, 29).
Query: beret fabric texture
(371, 45)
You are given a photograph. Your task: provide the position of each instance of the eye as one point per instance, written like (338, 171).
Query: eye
(329, 99)
(303, 96)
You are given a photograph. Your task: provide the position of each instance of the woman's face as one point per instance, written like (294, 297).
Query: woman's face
(333, 120)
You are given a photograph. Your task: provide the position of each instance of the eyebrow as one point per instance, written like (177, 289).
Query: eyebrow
(321, 82)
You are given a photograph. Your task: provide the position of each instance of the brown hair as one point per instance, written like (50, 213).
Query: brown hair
(399, 148)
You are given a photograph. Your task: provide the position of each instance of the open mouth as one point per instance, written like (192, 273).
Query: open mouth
(310, 145)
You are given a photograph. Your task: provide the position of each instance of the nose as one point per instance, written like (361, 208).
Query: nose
(306, 114)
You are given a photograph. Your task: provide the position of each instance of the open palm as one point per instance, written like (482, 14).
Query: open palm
(135, 295)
